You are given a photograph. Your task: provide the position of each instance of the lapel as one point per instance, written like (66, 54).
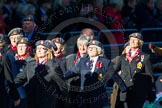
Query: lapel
(31, 69)
(137, 64)
(99, 65)
(138, 59)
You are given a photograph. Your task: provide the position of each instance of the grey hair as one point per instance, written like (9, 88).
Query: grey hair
(140, 43)
(83, 38)
(99, 50)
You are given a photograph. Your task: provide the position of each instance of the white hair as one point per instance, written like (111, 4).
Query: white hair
(99, 50)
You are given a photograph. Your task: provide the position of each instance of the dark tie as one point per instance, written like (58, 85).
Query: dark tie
(84, 73)
(91, 64)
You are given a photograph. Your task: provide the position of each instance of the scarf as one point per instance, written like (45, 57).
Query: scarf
(13, 47)
(77, 57)
(43, 62)
(130, 56)
(59, 55)
(22, 57)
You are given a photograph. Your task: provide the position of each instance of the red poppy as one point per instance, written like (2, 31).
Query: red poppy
(99, 65)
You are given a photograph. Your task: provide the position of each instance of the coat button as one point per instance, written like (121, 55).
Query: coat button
(131, 80)
(124, 80)
(134, 71)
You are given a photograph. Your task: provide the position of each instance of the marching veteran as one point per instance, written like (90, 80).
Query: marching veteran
(38, 76)
(21, 58)
(137, 73)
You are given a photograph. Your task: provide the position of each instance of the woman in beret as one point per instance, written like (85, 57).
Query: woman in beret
(137, 73)
(21, 58)
(39, 77)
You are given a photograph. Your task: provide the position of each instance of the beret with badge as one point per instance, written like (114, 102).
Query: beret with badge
(16, 31)
(96, 43)
(136, 35)
(45, 43)
(22, 40)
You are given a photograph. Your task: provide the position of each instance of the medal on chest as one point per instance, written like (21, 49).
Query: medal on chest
(142, 58)
(139, 65)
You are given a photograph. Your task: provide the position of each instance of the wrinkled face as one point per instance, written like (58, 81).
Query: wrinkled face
(134, 42)
(82, 47)
(14, 39)
(92, 51)
(41, 51)
(28, 26)
(21, 49)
